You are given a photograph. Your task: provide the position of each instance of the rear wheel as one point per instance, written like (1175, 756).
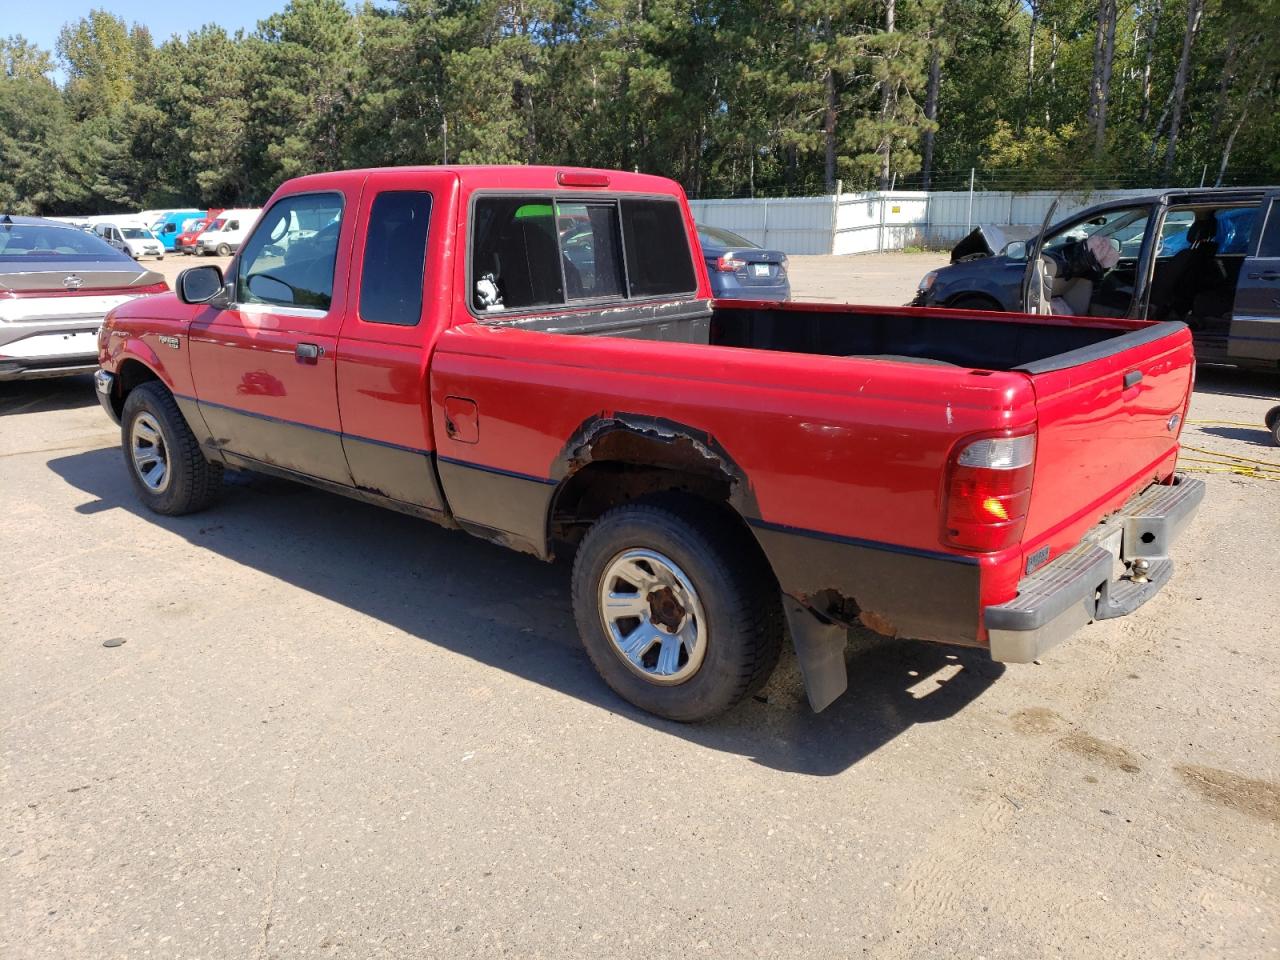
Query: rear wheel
(169, 472)
(675, 607)
(1273, 424)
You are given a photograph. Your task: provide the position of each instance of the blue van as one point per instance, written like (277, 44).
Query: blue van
(170, 225)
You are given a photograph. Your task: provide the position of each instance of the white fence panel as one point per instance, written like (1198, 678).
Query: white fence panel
(790, 224)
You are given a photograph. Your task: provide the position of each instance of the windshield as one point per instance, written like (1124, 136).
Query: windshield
(217, 225)
(27, 240)
(1127, 227)
(196, 227)
(715, 237)
(135, 233)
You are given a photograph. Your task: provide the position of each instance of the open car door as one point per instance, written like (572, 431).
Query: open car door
(1255, 322)
(1036, 284)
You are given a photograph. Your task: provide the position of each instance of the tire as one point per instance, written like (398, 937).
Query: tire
(1273, 424)
(153, 431)
(732, 603)
(974, 302)
(224, 250)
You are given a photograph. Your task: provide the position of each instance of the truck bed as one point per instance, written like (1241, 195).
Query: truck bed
(960, 338)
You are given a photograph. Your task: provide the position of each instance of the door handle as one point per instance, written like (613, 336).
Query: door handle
(1132, 378)
(308, 352)
(1265, 275)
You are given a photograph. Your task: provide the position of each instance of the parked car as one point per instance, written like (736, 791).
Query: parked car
(224, 235)
(713, 467)
(1209, 258)
(168, 227)
(742, 270)
(57, 282)
(137, 242)
(185, 243)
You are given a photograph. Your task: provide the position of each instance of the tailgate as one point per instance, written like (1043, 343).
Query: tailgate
(1108, 421)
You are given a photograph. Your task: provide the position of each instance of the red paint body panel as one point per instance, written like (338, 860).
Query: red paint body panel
(853, 450)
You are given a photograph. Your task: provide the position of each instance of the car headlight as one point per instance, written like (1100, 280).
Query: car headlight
(927, 281)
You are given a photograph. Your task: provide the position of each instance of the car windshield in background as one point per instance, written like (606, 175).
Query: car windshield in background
(28, 241)
(715, 237)
(135, 233)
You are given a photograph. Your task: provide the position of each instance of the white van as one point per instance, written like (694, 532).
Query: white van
(225, 234)
(131, 238)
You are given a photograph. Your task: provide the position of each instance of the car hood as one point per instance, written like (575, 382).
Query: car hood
(986, 240)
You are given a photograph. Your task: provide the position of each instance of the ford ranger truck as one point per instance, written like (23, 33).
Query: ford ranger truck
(722, 473)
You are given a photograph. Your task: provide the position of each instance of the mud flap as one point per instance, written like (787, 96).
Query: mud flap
(820, 650)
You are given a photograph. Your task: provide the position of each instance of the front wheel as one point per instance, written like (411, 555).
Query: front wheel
(224, 250)
(169, 471)
(676, 608)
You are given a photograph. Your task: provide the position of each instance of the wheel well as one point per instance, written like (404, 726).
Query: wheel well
(132, 373)
(986, 298)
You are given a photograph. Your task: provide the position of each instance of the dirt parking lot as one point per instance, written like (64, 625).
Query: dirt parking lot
(333, 731)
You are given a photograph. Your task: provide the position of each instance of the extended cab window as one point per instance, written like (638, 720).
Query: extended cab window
(1270, 246)
(394, 258)
(289, 260)
(658, 258)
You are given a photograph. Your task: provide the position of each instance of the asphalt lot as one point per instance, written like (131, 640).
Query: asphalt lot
(333, 731)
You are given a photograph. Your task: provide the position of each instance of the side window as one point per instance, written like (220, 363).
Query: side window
(515, 259)
(170, 227)
(231, 225)
(289, 260)
(658, 258)
(395, 253)
(590, 250)
(1270, 245)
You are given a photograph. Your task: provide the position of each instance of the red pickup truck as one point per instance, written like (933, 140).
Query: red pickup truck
(423, 338)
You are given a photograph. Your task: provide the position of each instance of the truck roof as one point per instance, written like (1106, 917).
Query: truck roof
(511, 177)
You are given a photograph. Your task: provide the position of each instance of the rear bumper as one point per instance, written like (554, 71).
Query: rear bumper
(1082, 584)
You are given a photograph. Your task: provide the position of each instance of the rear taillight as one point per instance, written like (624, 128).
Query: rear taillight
(158, 287)
(729, 263)
(988, 492)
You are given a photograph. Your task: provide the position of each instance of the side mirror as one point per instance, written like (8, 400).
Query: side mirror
(1016, 250)
(200, 285)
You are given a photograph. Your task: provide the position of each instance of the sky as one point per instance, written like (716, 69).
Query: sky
(40, 20)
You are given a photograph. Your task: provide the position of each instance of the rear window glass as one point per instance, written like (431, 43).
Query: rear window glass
(25, 241)
(394, 258)
(657, 248)
(715, 237)
(515, 256)
(591, 252)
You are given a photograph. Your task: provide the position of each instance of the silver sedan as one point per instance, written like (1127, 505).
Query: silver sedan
(56, 285)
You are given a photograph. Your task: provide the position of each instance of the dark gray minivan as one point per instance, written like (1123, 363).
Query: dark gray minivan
(1210, 258)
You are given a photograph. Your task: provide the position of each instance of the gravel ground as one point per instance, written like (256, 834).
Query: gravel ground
(332, 731)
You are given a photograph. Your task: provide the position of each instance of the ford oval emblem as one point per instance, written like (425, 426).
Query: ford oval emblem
(1174, 421)
(72, 282)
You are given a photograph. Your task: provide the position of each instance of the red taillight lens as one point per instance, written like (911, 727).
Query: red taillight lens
(729, 263)
(988, 493)
(158, 287)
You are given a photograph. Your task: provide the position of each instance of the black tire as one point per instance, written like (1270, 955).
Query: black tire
(732, 583)
(974, 301)
(1273, 424)
(191, 482)
(224, 250)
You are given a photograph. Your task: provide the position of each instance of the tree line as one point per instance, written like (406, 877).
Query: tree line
(730, 97)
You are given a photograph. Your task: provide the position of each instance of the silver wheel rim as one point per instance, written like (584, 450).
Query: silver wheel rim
(653, 616)
(150, 456)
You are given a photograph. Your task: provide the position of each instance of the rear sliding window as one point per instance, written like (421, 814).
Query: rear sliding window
(530, 252)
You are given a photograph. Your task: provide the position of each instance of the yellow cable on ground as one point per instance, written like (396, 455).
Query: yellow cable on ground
(1232, 456)
(1239, 471)
(1229, 423)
